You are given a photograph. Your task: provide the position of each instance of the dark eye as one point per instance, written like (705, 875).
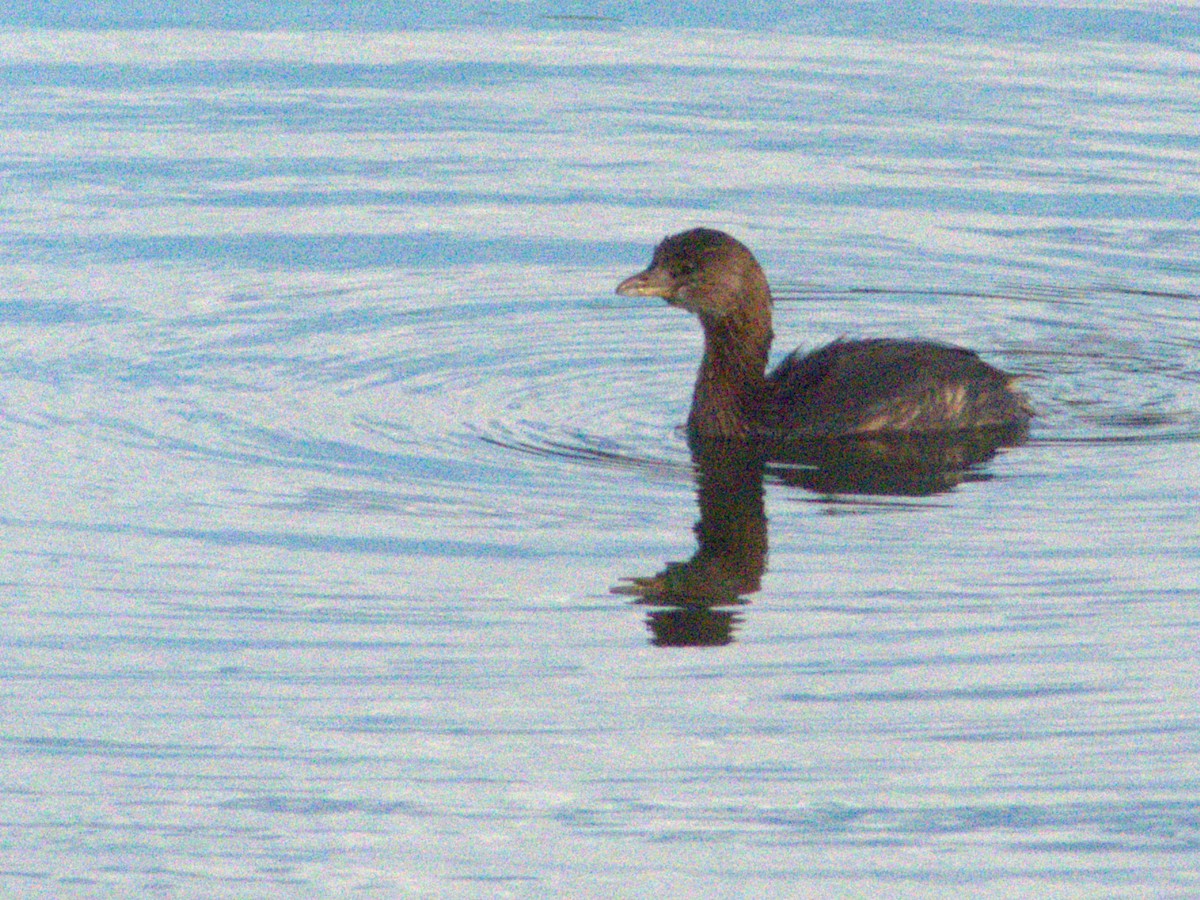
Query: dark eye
(683, 268)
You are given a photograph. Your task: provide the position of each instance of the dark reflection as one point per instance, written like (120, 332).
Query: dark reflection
(732, 534)
(891, 465)
(729, 563)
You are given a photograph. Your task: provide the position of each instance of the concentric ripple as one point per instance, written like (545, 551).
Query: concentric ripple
(539, 404)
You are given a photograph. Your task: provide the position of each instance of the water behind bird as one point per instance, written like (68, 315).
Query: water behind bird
(327, 444)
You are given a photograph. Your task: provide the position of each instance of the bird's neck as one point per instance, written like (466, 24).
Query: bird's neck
(731, 387)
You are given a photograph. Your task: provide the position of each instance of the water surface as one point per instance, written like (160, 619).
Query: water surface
(326, 443)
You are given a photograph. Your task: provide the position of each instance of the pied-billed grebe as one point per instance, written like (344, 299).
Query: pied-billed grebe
(869, 386)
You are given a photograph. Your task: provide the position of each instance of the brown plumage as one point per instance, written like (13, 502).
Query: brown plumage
(873, 386)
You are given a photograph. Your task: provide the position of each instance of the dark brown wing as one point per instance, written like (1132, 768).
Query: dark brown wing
(885, 385)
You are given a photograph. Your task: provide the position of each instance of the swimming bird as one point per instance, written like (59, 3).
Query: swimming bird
(849, 387)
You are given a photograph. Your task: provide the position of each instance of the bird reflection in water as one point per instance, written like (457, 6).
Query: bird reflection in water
(692, 599)
(877, 416)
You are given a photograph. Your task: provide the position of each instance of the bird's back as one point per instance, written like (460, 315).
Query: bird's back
(886, 385)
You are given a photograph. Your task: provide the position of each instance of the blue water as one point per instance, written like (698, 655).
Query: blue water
(331, 461)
